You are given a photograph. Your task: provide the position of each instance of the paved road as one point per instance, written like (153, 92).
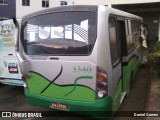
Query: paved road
(13, 99)
(138, 97)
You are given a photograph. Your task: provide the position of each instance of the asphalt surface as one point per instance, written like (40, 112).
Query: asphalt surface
(138, 98)
(12, 98)
(154, 95)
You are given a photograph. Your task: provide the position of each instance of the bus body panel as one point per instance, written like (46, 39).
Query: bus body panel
(103, 47)
(9, 68)
(67, 77)
(117, 96)
(63, 80)
(130, 66)
(129, 71)
(75, 75)
(72, 80)
(97, 108)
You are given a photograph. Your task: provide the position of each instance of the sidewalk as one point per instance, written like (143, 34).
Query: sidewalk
(154, 94)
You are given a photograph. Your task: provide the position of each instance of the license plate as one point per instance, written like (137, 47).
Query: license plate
(59, 106)
(13, 69)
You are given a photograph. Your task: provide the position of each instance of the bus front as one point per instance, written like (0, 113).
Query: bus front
(59, 60)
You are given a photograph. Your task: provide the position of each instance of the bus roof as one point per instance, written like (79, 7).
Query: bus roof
(81, 8)
(122, 13)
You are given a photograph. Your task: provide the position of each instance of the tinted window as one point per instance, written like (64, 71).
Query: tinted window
(63, 33)
(113, 40)
(129, 36)
(63, 2)
(135, 30)
(3, 2)
(45, 3)
(129, 27)
(25, 2)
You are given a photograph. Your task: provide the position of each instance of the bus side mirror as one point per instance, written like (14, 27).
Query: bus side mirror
(25, 68)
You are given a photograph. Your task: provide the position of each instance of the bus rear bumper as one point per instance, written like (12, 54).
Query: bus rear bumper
(16, 82)
(97, 108)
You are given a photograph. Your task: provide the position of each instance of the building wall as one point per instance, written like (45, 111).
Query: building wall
(35, 5)
(8, 11)
(150, 18)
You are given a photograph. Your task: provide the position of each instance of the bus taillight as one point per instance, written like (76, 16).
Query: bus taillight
(102, 84)
(101, 77)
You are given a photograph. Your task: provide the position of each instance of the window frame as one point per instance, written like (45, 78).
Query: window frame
(63, 3)
(45, 3)
(129, 34)
(117, 61)
(25, 2)
(135, 32)
(3, 2)
(79, 54)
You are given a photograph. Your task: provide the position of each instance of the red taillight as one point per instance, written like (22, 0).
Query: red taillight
(102, 84)
(98, 70)
(23, 78)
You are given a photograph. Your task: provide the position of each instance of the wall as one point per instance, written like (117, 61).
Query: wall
(35, 5)
(148, 15)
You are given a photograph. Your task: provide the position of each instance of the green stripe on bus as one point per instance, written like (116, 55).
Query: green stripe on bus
(36, 83)
(132, 66)
(75, 82)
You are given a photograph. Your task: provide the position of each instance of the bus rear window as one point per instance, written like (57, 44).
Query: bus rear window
(63, 33)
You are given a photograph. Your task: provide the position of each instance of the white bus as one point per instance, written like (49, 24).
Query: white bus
(9, 68)
(79, 58)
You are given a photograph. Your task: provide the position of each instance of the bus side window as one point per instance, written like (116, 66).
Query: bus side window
(130, 42)
(113, 41)
(135, 32)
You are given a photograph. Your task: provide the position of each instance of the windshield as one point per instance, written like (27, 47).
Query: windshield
(61, 33)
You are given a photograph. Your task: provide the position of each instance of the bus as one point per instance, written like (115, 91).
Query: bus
(9, 68)
(79, 58)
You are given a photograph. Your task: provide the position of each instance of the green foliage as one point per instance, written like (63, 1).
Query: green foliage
(157, 45)
(154, 58)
